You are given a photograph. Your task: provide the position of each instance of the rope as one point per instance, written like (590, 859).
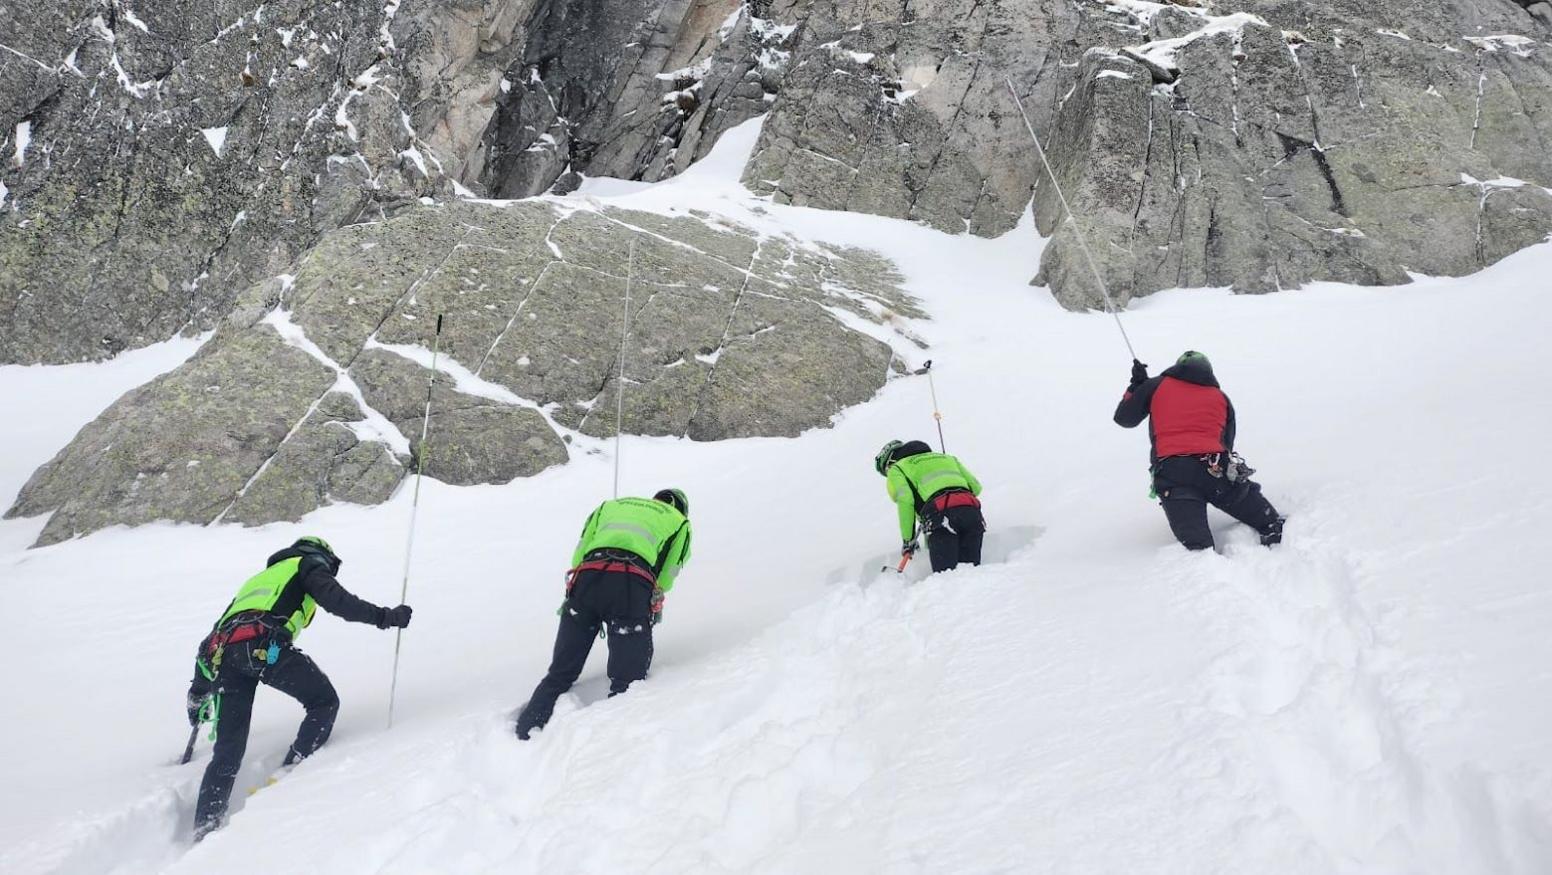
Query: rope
(1077, 229)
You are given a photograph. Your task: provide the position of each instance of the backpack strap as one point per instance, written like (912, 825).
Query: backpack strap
(662, 556)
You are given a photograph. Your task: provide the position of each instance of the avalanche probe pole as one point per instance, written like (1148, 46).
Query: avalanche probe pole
(1083, 243)
(619, 381)
(936, 415)
(409, 545)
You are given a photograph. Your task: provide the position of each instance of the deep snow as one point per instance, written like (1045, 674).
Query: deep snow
(1371, 697)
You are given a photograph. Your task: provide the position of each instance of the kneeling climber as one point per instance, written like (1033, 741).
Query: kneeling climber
(631, 550)
(252, 644)
(1193, 460)
(937, 489)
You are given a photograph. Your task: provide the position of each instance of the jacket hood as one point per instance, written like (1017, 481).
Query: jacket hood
(1197, 371)
(912, 448)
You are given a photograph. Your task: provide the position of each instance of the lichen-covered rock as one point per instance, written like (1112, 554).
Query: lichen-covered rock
(534, 292)
(314, 389)
(183, 446)
(322, 462)
(909, 115)
(472, 439)
(1247, 143)
(163, 157)
(1272, 157)
(1276, 157)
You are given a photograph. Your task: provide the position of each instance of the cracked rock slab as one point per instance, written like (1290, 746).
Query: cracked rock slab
(183, 446)
(734, 334)
(471, 439)
(322, 462)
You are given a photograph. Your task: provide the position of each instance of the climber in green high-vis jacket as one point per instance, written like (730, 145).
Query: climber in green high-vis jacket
(630, 551)
(252, 643)
(940, 492)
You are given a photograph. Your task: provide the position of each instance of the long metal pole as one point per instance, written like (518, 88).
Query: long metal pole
(409, 544)
(1077, 229)
(936, 414)
(619, 376)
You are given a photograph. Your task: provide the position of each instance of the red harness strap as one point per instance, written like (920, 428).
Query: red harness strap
(947, 500)
(614, 565)
(236, 635)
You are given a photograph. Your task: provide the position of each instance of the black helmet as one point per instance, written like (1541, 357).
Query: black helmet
(316, 545)
(1192, 357)
(674, 498)
(885, 456)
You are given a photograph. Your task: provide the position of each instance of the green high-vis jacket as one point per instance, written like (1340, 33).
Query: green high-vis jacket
(915, 479)
(654, 530)
(264, 591)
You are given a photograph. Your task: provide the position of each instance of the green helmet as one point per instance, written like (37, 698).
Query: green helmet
(885, 456)
(676, 498)
(315, 544)
(1191, 356)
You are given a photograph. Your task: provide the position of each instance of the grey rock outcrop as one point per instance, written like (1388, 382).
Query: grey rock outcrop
(1256, 144)
(323, 461)
(183, 446)
(475, 439)
(1273, 157)
(164, 155)
(635, 90)
(908, 115)
(162, 161)
(313, 389)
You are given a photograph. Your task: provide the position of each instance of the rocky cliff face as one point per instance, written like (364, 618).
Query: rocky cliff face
(165, 155)
(1294, 142)
(1257, 144)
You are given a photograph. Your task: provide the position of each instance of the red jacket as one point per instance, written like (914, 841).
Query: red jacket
(1188, 414)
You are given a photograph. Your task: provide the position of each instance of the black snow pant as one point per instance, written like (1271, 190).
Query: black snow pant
(955, 537)
(618, 601)
(1185, 487)
(242, 670)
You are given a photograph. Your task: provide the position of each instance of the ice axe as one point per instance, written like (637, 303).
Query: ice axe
(905, 559)
(188, 750)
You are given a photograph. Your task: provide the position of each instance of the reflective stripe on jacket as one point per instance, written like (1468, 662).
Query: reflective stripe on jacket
(914, 479)
(654, 530)
(276, 587)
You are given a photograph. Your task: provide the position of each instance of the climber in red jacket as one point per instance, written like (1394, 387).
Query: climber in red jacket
(1193, 461)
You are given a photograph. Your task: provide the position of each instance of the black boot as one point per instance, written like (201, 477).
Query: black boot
(1274, 532)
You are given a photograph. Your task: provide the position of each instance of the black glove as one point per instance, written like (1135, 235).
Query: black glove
(1139, 373)
(908, 548)
(193, 703)
(399, 617)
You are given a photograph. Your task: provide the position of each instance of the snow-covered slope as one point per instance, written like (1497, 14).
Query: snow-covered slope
(1370, 697)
